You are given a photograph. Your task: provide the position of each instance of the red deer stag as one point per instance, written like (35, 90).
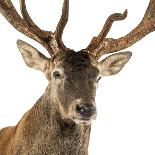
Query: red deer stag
(60, 121)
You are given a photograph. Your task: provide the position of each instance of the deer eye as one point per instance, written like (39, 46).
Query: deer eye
(98, 79)
(56, 75)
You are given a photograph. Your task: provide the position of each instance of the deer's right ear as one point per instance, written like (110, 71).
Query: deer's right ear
(32, 57)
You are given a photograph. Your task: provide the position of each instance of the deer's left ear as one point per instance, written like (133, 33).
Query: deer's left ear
(32, 57)
(114, 63)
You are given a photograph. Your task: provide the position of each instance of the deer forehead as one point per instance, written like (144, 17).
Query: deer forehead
(75, 62)
(72, 56)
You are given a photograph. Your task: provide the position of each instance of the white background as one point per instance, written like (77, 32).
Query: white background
(126, 105)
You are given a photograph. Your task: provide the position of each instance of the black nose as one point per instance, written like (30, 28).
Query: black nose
(86, 110)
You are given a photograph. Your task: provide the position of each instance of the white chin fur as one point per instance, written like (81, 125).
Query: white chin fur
(83, 122)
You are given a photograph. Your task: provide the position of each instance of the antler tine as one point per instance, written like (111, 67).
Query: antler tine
(146, 26)
(8, 10)
(106, 28)
(112, 18)
(51, 41)
(41, 33)
(62, 23)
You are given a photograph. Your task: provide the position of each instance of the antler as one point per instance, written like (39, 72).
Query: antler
(51, 41)
(106, 28)
(101, 45)
(62, 23)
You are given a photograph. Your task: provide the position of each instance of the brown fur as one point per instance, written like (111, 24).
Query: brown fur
(44, 130)
(44, 134)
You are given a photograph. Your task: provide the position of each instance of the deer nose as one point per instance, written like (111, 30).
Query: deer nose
(86, 110)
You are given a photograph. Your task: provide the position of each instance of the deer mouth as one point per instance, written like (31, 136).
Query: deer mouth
(84, 121)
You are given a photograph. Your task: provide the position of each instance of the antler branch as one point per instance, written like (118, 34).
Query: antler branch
(110, 45)
(106, 28)
(51, 41)
(62, 23)
(30, 22)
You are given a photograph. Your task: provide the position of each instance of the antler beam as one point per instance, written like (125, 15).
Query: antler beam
(101, 45)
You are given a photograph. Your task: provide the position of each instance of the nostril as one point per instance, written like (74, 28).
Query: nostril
(86, 110)
(80, 108)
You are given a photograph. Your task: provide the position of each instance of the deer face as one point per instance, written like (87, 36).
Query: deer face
(74, 81)
(73, 78)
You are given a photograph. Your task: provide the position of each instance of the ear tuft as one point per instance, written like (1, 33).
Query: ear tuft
(114, 63)
(20, 42)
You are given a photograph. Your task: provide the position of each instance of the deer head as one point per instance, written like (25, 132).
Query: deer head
(73, 76)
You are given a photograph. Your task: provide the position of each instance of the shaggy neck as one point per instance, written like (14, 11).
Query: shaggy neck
(45, 128)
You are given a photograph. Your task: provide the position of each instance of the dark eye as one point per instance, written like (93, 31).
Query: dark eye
(56, 75)
(98, 79)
